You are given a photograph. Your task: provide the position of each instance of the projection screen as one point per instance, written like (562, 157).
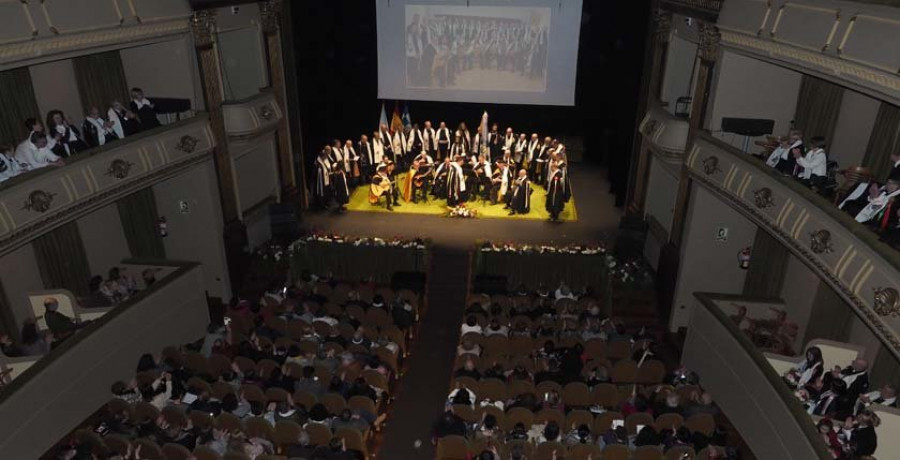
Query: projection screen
(500, 51)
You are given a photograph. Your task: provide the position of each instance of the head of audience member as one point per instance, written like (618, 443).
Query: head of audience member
(816, 143)
(51, 304)
(33, 125)
(137, 94)
(93, 112)
(892, 184)
(39, 139)
(795, 135)
(859, 365)
(813, 355)
(551, 431)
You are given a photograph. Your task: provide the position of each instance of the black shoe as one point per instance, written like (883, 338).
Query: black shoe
(390, 208)
(512, 213)
(397, 204)
(414, 201)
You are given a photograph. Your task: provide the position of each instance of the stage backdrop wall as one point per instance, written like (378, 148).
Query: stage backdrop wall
(524, 52)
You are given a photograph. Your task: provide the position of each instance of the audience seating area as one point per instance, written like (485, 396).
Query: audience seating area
(541, 378)
(310, 372)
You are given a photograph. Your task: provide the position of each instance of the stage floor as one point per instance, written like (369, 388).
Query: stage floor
(598, 219)
(359, 201)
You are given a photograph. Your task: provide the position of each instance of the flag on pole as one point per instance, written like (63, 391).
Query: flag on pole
(407, 122)
(383, 121)
(484, 128)
(396, 121)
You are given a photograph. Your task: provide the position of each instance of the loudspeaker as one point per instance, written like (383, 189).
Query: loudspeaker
(284, 222)
(748, 126)
(414, 281)
(489, 284)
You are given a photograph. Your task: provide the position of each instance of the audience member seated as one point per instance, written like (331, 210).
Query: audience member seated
(783, 158)
(98, 131)
(68, 139)
(124, 122)
(35, 153)
(884, 396)
(9, 166)
(814, 164)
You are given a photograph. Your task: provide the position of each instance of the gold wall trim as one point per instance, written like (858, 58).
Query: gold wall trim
(840, 67)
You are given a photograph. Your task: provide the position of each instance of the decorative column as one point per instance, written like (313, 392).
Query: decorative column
(271, 17)
(651, 90)
(708, 50)
(203, 28)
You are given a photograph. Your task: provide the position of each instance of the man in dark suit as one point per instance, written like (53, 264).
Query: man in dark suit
(855, 376)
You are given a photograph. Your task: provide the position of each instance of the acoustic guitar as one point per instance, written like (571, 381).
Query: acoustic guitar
(380, 185)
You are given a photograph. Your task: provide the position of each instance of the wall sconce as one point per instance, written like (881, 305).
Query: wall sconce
(163, 226)
(744, 258)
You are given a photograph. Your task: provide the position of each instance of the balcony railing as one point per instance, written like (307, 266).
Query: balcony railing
(38, 201)
(250, 117)
(747, 389)
(846, 254)
(57, 392)
(666, 133)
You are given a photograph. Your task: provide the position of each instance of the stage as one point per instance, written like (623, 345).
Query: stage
(359, 202)
(597, 218)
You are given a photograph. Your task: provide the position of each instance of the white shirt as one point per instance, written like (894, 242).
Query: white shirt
(32, 157)
(10, 167)
(815, 163)
(117, 125)
(782, 153)
(460, 176)
(377, 150)
(466, 329)
(875, 206)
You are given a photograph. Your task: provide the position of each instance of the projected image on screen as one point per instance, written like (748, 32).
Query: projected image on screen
(477, 48)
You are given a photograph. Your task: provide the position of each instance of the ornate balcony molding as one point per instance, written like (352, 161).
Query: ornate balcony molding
(848, 256)
(839, 41)
(39, 201)
(37, 31)
(705, 9)
(666, 134)
(253, 116)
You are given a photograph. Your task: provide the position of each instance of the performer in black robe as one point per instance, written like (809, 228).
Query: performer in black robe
(556, 191)
(340, 190)
(494, 144)
(521, 195)
(456, 183)
(322, 185)
(439, 187)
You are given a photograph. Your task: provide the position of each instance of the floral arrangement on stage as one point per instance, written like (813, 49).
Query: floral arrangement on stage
(462, 211)
(323, 237)
(583, 249)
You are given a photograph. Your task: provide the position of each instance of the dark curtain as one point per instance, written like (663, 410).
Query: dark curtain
(8, 324)
(818, 107)
(101, 80)
(62, 260)
(884, 140)
(768, 265)
(140, 223)
(18, 103)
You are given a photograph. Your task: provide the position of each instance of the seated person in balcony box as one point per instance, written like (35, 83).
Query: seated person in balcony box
(68, 139)
(125, 122)
(33, 125)
(881, 210)
(884, 396)
(782, 158)
(835, 402)
(61, 325)
(814, 163)
(808, 370)
(145, 110)
(97, 131)
(9, 167)
(855, 377)
(35, 153)
(860, 197)
(860, 440)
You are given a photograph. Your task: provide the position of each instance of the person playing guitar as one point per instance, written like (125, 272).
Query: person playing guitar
(381, 185)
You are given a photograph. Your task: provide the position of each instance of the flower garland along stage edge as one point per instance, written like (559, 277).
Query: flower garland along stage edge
(334, 238)
(461, 211)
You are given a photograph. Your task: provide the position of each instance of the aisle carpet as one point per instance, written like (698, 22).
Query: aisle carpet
(359, 201)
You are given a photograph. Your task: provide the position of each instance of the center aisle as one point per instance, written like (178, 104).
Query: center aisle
(424, 387)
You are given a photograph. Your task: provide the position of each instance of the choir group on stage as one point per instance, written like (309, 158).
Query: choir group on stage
(455, 166)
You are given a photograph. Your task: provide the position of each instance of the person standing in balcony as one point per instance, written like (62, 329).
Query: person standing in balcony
(68, 138)
(125, 122)
(97, 131)
(145, 110)
(814, 163)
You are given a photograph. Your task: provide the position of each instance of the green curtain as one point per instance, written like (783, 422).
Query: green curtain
(768, 265)
(17, 103)
(139, 222)
(818, 107)
(349, 262)
(884, 140)
(62, 260)
(101, 80)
